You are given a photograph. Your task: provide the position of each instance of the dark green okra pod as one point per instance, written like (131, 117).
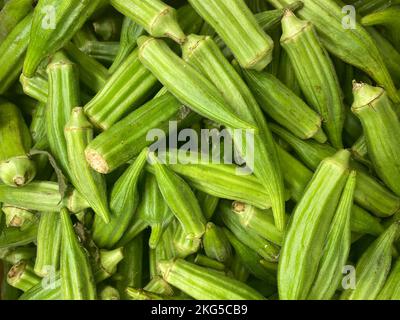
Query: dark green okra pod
(158, 19)
(381, 128)
(305, 238)
(216, 245)
(123, 204)
(16, 168)
(77, 280)
(315, 73)
(78, 133)
(208, 204)
(239, 29)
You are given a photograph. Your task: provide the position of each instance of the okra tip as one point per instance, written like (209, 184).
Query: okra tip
(192, 42)
(96, 161)
(17, 171)
(342, 158)
(364, 95)
(291, 25)
(16, 272)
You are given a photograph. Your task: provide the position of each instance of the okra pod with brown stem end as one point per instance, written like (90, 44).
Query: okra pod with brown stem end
(124, 201)
(158, 19)
(216, 245)
(16, 167)
(22, 276)
(315, 73)
(16, 217)
(202, 283)
(14, 237)
(308, 229)
(186, 83)
(205, 56)
(381, 128)
(239, 29)
(78, 134)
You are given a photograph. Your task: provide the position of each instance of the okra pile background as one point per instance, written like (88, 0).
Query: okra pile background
(200, 149)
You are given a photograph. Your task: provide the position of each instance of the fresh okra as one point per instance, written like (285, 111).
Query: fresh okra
(107, 264)
(17, 217)
(109, 293)
(38, 129)
(36, 87)
(216, 244)
(184, 245)
(208, 204)
(108, 27)
(390, 290)
(16, 167)
(22, 276)
(14, 237)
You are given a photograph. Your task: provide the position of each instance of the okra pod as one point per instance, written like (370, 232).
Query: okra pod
(78, 134)
(158, 19)
(135, 228)
(286, 74)
(179, 198)
(7, 292)
(123, 204)
(208, 204)
(305, 238)
(107, 264)
(16, 168)
(364, 7)
(48, 244)
(77, 280)
(337, 246)
(17, 254)
(51, 30)
(205, 284)
(216, 244)
(390, 290)
(360, 150)
(373, 267)
(63, 96)
(159, 286)
(36, 87)
(184, 245)
(14, 237)
(316, 74)
(207, 262)
(108, 27)
(109, 293)
(239, 29)
(269, 19)
(38, 129)
(22, 276)
(51, 291)
(102, 51)
(186, 83)
(18, 217)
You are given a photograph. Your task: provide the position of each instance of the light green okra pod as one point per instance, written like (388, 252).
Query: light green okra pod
(391, 289)
(337, 247)
(183, 245)
(208, 204)
(109, 293)
(107, 264)
(207, 262)
(36, 87)
(239, 29)
(205, 284)
(305, 238)
(381, 128)
(78, 133)
(17, 217)
(216, 244)
(159, 286)
(38, 130)
(15, 237)
(316, 74)
(22, 276)
(158, 19)
(373, 267)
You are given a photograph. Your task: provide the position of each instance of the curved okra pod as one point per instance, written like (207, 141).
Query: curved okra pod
(305, 238)
(391, 289)
(63, 96)
(202, 53)
(179, 198)
(315, 73)
(119, 144)
(77, 280)
(14, 237)
(12, 51)
(16, 168)
(337, 247)
(264, 248)
(11, 14)
(370, 193)
(373, 267)
(78, 133)
(36, 87)
(282, 105)
(154, 210)
(205, 284)
(22, 276)
(216, 245)
(251, 260)
(17, 217)
(48, 244)
(123, 204)
(186, 83)
(239, 29)
(54, 24)
(158, 19)
(255, 220)
(381, 128)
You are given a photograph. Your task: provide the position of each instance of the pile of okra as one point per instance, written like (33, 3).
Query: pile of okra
(199, 149)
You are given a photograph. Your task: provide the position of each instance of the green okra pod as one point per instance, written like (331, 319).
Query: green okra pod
(17, 217)
(186, 83)
(286, 74)
(373, 267)
(102, 51)
(269, 19)
(124, 201)
(13, 50)
(109, 293)
(38, 129)
(78, 134)
(77, 280)
(251, 259)
(7, 292)
(315, 73)
(14, 237)
(208, 204)
(63, 96)
(381, 128)
(337, 246)
(108, 27)
(204, 55)
(36, 87)
(216, 244)
(159, 286)
(263, 247)
(107, 264)
(360, 149)
(54, 24)
(207, 262)
(205, 284)
(16, 168)
(17, 254)
(305, 238)
(22, 276)
(165, 249)
(180, 199)
(390, 290)
(184, 246)
(239, 29)
(364, 7)
(135, 228)
(11, 14)
(39, 292)
(48, 244)
(158, 19)
(154, 210)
